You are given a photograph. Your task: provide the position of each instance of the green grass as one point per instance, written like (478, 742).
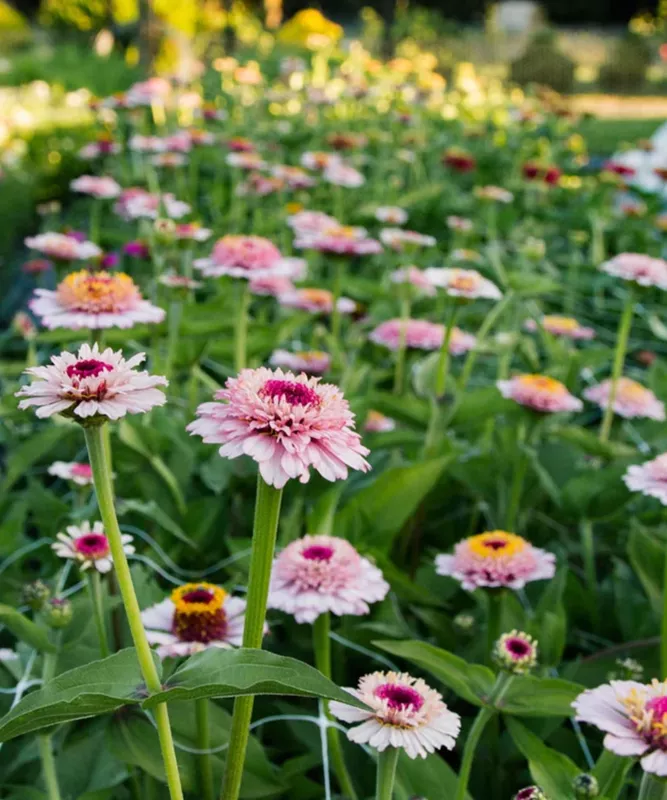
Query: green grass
(604, 136)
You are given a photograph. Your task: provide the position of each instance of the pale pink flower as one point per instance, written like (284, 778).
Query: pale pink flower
(260, 185)
(192, 231)
(62, 247)
(317, 301)
(415, 277)
(194, 617)
(404, 712)
(287, 423)
(341, 240)
(494, 193)
(633, 717)
(270, 285)
(94, 300)
(294, 177)
(318, 574)
(466, 255)
(320, 160)
(312, 362)
(392, 215)
(169, 159)
(399, 239)
(23, 325)
(143, 93)
(137, 203)
(81, 474)
(103, 147)
(638, 267)
(465, 283)
(89, 547)
(248, 161)
(249, 257)
(649, 478)
(461, 224)
(420, 334)
(540, 393)
(340, 174)
(568, 327)
(632, 399)
(174, 281)
(378, 423)
(179, 142)
(146, 144)
(305, 223)
(101, 187)
(92, 383)
(496, 559)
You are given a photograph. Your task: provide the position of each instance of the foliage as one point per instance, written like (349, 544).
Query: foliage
(626, 68)
(543, 63)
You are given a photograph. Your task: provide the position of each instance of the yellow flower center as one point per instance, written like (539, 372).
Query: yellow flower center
(312, 355)
(462, 282)
(98, 292)
(627, 388)
(494, 544)
(560, 323)
(198, 598)
(320, 297)
(542, 383)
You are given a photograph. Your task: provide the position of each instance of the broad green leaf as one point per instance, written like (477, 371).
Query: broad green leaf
(151, 510)
(409, 409)
(647, 556)
(611, 771)
(431, 777)
(552, 771)
(34, 449)
(381, 509)
(102, 770)
(528, 696)
(472, 682)
(596, 493)
(25, 629)
(531, 285)
(230, 673)
(591, 444)
(96, 688)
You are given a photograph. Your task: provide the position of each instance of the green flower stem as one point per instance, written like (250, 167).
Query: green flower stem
(267, 512)
(204, 744)
(444, 359)
(489, 321)
(322, 648)
(493, 620)
(336, 320)
(95, 218)
(48, 767)
(386, 773)
(663, 639)
(483, 717)
(652, 788)
(399, 372)
(102, 479)
(516, 490)
(619, 359)
(588, 555)
(95, 591)
(173, 329)
(241, 331)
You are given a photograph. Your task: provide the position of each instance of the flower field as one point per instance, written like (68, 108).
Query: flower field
(333, 423)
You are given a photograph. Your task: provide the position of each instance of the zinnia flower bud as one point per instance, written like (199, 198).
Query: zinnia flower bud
(515, 652)
(58, 613)
(35, 594)
(586, 786)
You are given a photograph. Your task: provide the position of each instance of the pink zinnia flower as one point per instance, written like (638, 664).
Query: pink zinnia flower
(146, 144)
(89, 546)
(271, 285)
(287, 423)
(260, 185)
(249, 257)
(642, 269)
(320, 160)
(568, 327)
(169, 159)
(515, 652)
(102, 147)
(36, 266)
(632, 399)
(137, 249)
(63, 247)
(81, 474)
(143, 93)
(304, 223)
(420, 334)
(192, 231)
(92, 384)
(317, 301)
(633, 717)
(103, 187)
(464, 283)
(494, 193)
(317, 574)
(461, 224)
(378, 423)
(173, 281)
(399, 239)
(136, 203)
(415, 277)
(403, 712)
(94, 300)
(312, 362)
(496, 559)
(194, 617)
(341, 240)
(340, 174)
(649, 478)
(539, 393)
(248, 161)
(294, 177)
(392, 215)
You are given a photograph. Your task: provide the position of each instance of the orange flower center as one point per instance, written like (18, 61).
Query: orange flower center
(494, 544)
(98, 292)
(542, 383)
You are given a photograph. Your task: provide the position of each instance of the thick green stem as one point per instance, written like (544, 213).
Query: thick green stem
(493, 621)
(386, 773)
(401, 352)
(102, 479)
(267, 512)
(588, 555)
(619, 359)
(444, 359)
(48, 767)
(322, 648)
(241, 332)
(204, 745)
(95, 591)
(652, 788)
(663, 639)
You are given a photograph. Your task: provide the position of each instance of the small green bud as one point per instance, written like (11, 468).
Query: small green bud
(35, 594)
(58, 612)
(586, 786)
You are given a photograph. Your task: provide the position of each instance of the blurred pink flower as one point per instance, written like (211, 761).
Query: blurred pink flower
(63, 247)
(399, 239)
(249, 257)
(341, 240)
(136, 203)
(317, 301)
(420, 334)
(568, 327)
(79, 473)
(540, 393)
(305, 223)
(378, 423)
(649, 478)
(392, 215)
(415, 277)
(340, 174)
(465, 283)
(89, 546)
(632, 399)
(638, 267)
(101, 187)
(312, 362)
(271, 285)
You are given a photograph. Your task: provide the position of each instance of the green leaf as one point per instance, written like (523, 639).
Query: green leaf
(25, 629)
(531, 285)
(431, 777)
(96, 688)
(472, 682)
(21, 458)
(409, 409)
(528, 696)
(552, 771)
(647, 556)
(611, 771)
(591, 444)
(381, 509)
(151, 510)
(245, 671)
(596, 493)
(102, 770)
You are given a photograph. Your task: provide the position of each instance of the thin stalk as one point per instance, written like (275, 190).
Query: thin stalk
(339, 274)
(401, 352)
(518, 477)
(173, 329)
(99, 461)
(95, 591)
(322, 649)
(386, 773)
(663, 638)
(619, 359)
(444, 359)
(493, 620)
(48, 767)
(588, 555)
(241, 330)
(267, 512)
(489, 321)
(204, 744)
(95, 216)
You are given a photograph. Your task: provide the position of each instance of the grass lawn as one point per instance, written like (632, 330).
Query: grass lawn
(605, 135)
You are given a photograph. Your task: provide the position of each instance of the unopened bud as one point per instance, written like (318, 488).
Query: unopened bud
(58, 612)
(35, 595)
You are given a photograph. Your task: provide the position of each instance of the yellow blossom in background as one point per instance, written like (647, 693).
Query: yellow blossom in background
(310, 28)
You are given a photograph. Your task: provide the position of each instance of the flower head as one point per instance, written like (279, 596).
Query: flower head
(494, 193)
(312, 362)
(320, 160)
(63, 247)
(378, 423)
(194, 617)
(403, 712)
(94, 300)
(248, 257)
(317, 301)
(392, 215)
(465, 283)
(269, 285)
(101, 187)
(89, 547)
(137, 203)
(460, 224)
(540, 393)
(459, 160)
(634, 718)
(287, 423)
(415, 277)
(92, 384)
(631, 400)
(567, 327)
(496, 559)
(649, 478)
(420, 334)
(342, 240)
(586, 785)
(305, 223)
(317, 574)
(638, 267)
(341, 174)
(81, 474)
(399, 239)
(173, 281)
(515, 652)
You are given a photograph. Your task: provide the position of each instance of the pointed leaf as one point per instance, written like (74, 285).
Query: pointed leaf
(528, 696)
(25, 629)
(647, 556)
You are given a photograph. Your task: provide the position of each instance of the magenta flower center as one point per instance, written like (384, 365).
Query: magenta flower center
(296, 394)
(82, 470)
(92, 545)
(658, 706)
(400, 697)
(318, 552)
(495, 544)
(518, 648)
(199, 595)
(199, 615)
(88, 368)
